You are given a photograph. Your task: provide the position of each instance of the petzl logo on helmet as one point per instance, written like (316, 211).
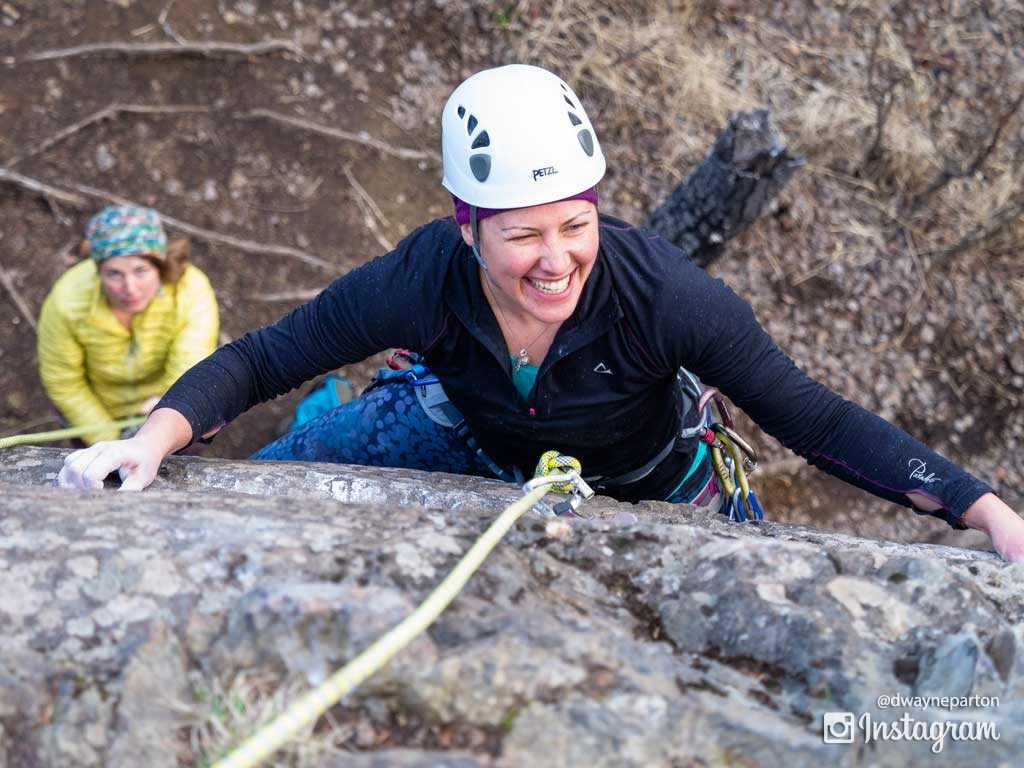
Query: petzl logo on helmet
(549, 171)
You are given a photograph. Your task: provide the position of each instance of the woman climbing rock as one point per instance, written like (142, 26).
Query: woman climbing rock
(547, 325)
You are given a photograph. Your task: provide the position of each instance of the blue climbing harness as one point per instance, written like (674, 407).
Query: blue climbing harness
(435, 403)
(725, 487)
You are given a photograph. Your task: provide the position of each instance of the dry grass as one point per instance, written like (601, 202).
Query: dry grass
(903, 101)
(222, 716)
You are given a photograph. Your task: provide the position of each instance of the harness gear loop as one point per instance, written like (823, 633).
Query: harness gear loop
(711, 394)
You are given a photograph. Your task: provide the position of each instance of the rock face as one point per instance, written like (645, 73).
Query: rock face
(152, 629)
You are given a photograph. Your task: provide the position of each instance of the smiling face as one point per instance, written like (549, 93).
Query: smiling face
(129, 283)
(538, 258)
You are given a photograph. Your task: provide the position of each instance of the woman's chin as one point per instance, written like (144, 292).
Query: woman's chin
(553, 312)
(551, 307)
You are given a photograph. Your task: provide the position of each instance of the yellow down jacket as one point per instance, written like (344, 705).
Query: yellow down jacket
(94, 369)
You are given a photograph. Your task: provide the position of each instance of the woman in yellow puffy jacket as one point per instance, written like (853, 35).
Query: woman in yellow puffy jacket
(118, 328)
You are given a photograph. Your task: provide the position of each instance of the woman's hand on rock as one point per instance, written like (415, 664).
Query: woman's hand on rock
(135, 460)
(1006, 528)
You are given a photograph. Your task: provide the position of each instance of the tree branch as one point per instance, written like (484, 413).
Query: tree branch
(371, 211)
(7, 281)
(211, 49)
(167, 28)
(360, 138)
(107, 113)
(982, 233)
(208, 235)
(44, 190)
(299, 295)
(952, 170)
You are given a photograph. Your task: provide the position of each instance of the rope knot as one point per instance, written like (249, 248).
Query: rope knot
(555, 463)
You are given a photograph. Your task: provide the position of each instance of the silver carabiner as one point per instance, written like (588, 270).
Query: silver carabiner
(581, 491)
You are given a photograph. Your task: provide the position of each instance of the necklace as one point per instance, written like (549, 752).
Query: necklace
(523, 358)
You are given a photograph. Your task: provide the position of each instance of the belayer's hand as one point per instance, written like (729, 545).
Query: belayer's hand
(135, 461)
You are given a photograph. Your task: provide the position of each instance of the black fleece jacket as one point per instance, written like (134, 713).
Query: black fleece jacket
(606, 391)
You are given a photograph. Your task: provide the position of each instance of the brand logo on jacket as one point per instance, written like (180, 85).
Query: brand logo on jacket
(602, 368)
(919, 471)
(539, 172)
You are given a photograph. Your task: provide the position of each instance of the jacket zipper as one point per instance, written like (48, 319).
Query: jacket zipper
(131, 359)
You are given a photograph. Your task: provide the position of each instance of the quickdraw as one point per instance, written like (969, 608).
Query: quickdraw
(732, 458)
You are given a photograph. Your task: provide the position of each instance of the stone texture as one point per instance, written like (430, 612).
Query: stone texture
(679, 640)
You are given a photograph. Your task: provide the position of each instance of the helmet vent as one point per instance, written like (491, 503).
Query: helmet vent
(586, 141)
(480, 164)
(539, 114)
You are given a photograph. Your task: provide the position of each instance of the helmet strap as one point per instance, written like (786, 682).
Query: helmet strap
(474, 228)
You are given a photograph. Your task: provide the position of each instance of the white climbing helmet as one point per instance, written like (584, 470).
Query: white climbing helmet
(517, 136)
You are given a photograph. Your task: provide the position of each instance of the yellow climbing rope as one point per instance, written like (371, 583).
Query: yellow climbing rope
(313, 704)
(553, 462)
(69, 432)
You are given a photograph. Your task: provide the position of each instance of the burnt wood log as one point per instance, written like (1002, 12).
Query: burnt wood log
(746, 168)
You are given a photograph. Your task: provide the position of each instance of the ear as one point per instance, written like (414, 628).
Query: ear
(84, 249)
(467, 234)
(178, 249)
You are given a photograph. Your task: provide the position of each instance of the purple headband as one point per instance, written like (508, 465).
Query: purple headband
(462, 207)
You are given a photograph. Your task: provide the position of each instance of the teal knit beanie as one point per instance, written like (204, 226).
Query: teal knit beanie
(126, 230)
